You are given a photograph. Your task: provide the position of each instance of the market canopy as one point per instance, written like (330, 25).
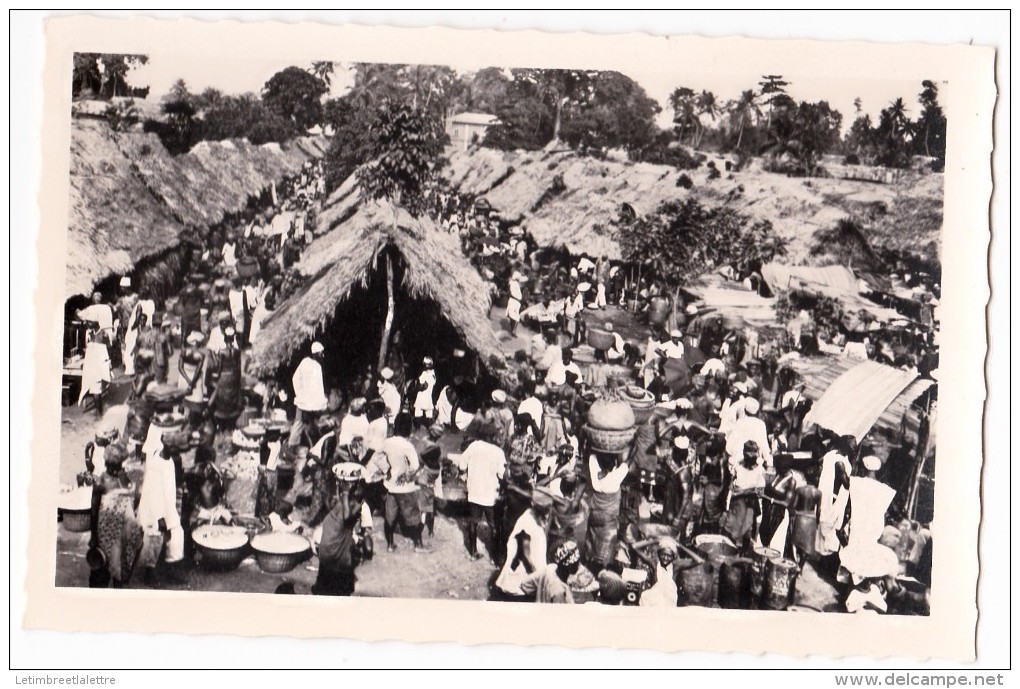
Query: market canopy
(831, 281)
(855, 401)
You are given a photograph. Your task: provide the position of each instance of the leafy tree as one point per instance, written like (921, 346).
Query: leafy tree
(323, 70)
(930, 139)
(619, 114)
(296, 95)
(485, 91)
(243, 117)
(103, 75)
(682, 240)
(404, 150)
(179, 131)
(860, 139)
(801, 133)
(350, 144)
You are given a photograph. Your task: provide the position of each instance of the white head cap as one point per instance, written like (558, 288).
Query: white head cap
(125, 281)
(682, 442)
(386, 373)
(317, 348)
(752, 406)
(675, 333)
(498, 396)
(872, 463)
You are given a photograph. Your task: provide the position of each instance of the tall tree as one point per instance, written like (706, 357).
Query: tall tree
(179, 131)
(773, 88)
(560, 88)
(684, 103)
(405, 152)
(296, 95)
(707, 106)
(103, 75)
(930, 128)
(893, 135)
(619, 114)
(742, 111)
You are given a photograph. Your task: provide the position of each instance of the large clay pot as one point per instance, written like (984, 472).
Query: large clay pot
(610, 415)
(658, 310)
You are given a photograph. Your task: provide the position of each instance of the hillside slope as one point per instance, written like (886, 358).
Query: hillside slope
(567, 199)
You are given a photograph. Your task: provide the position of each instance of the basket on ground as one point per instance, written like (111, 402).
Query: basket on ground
(601, 339)
(78, 521)
(220, 548)
(277, 553)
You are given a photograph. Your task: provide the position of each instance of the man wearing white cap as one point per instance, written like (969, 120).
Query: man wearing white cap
(749, 427)
(673, 348)
(309, 392)
(424, 400)
(572, 308)
(389, 394)
(98, 312)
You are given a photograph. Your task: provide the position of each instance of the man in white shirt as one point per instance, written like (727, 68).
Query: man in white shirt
(98, 312)
(551, 354)
(532, 406)
(355, 423)
(485, 466)
(748, 427)
(557, 374)
(604, 517)
(389, 394)
(309, 392)
(673, 348)
(398, 461)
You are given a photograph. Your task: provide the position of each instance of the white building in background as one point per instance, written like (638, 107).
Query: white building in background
(466, 128)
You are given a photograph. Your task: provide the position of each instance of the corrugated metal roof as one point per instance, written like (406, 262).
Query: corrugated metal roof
(857, 398)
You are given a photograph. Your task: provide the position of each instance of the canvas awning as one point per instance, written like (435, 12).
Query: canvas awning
(858, 398)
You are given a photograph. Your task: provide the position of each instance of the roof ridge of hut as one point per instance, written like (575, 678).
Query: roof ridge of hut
(344, 257)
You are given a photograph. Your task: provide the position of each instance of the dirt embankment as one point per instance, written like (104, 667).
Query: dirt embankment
(567, 199)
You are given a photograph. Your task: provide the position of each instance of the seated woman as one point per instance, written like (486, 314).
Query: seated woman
(281, 520)
(210, 508)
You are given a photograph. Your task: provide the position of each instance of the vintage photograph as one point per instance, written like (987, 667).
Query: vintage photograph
(499, 333)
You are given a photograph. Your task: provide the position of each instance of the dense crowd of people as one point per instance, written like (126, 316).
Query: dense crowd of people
(717, 458)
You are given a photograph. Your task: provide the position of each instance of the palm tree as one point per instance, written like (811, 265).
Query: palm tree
(742, 110)
(707, 104)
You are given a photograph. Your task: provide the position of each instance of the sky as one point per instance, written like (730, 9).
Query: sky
(229, 77)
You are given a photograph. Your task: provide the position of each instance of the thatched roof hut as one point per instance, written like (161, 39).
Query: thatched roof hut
(345, 259)
(114, 220)
(130, 198)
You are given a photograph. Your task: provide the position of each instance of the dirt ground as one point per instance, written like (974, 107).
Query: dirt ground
(446, 572)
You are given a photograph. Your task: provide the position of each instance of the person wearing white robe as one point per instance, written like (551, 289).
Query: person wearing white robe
(389, 394)
(309, 392)
(95, 373)
(424, 406)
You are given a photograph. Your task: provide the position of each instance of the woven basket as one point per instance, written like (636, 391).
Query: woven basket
(217, 560)
(247, 268)
(278, 563)
(78, 521)
(601, 339)
(610, 441)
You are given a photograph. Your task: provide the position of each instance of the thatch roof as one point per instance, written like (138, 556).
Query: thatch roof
(130, 198)
(114, 220)
(522, 186)
(343, 259)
